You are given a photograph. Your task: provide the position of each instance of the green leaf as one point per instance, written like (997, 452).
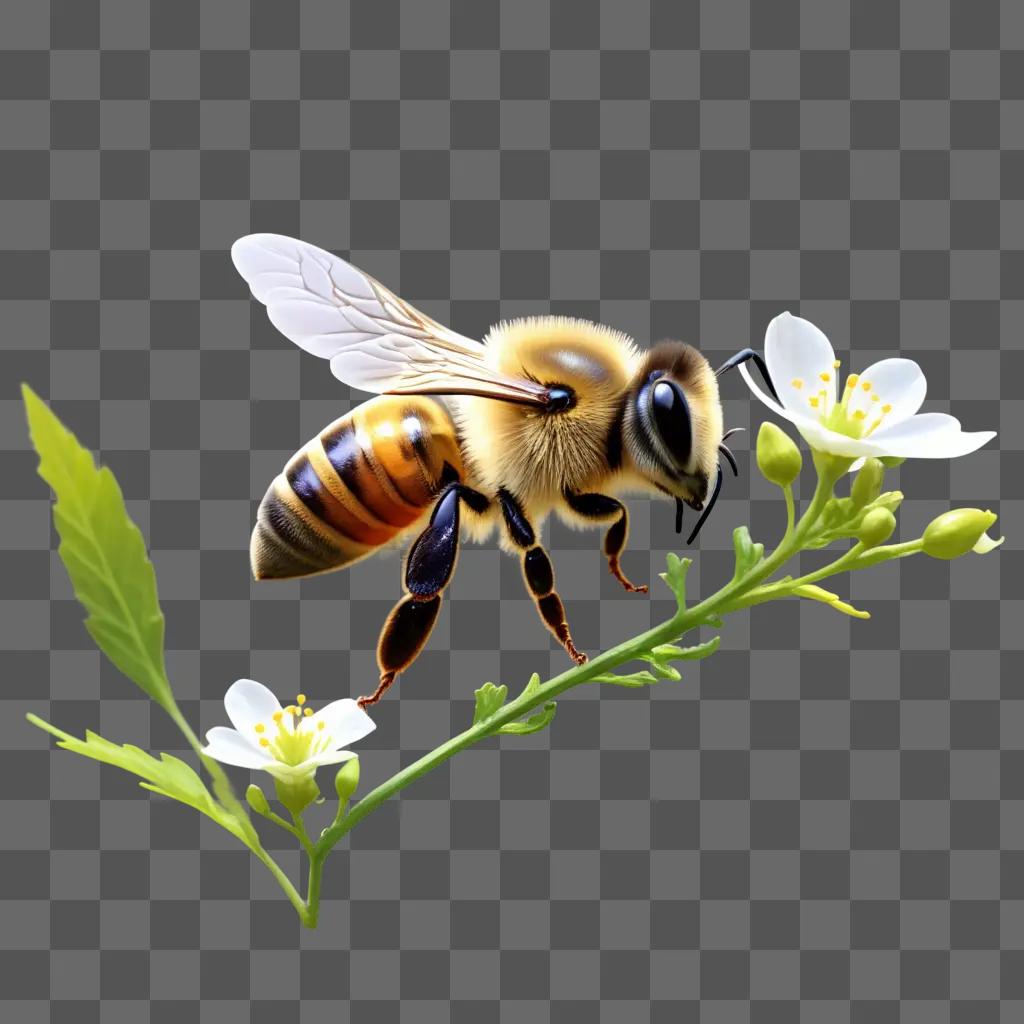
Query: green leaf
(748, 554)
(103, 552)
(167, 775)
(634, 680)
(675, 577)
(536, 722)
(670, 652)
(489, 698)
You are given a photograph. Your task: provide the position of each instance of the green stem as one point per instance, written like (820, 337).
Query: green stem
(787, 493)
(286, 884)
(684, 620)
(668, 631)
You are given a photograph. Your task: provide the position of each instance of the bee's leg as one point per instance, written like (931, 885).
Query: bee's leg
(428, 570)
(601, 508)
(538, 573)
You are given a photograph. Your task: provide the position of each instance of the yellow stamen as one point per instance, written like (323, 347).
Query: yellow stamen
(859, 414)
(320, 725)
(307, 711)
(836, 364)
(264, 742)
(814, 401)
(887, 408)
(300, 699)
(875, 398)
(826, 377)
(292, 709)
(866, 385)
(278, 715)
(798, 383)
(260, 727)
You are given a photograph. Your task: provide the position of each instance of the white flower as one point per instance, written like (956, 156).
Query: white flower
(876, 413)
(290, 742)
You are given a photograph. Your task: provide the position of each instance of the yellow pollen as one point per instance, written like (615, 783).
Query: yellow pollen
(300, 699)
(260, 727)
(836, 364)
(851, 381)
(264, 742)
(292, 709)
(866, 385)
(307, 711)
(797, 383)
(826, 377)
(887, 408)
(319, 725)
(859, 414)
(814, 401)
(278, 715)
(875, 398)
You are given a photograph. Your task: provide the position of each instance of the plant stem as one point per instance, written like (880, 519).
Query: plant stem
(680, 623)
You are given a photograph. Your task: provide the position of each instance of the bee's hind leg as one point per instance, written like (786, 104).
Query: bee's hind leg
(601, 508)
(538, 573)
(428, 570)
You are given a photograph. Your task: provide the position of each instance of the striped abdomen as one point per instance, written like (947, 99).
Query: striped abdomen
(362, 481)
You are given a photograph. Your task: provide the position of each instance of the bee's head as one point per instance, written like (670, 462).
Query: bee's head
(672, 425)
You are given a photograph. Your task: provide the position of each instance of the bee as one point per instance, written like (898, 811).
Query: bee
(547, 415)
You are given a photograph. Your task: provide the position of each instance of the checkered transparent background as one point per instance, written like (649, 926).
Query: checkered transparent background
(823, 823)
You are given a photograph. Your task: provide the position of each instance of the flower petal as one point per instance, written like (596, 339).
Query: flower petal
(819, 437)
(795, 350)
(230, 747)
(898, 383)
(986, 544)
(248, 703)
(344, 721)
(762, 395)
(930, 435)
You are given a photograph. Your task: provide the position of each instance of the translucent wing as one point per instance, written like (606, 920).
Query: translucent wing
(374, 340)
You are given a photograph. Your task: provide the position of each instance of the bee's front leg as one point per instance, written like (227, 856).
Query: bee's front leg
(601, 508)
(538, 573)
(428, 570)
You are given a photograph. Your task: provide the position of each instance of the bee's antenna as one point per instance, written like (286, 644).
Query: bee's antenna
(707, 508)
(724, 449)
(734, 430)
(742, 357)
(679, 515)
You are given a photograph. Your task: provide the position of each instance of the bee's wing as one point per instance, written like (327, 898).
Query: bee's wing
(374, 340)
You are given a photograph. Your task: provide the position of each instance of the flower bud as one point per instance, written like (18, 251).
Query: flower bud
(958, 531)
(876, 527)
(347, 779)
(257, 800)
(778, 457)
(867, 485)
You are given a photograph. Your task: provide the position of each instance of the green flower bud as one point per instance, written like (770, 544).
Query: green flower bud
(778, 457)
(867, 485)
(298, 793)
(257, 800)
(876, 527)
(836, 512)
(958, 531)
(347, 779)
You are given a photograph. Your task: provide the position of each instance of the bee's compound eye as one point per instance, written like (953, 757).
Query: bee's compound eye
(560, 398)
(672, 418)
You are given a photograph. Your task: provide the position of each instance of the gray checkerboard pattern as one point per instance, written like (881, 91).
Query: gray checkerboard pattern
(825, 822)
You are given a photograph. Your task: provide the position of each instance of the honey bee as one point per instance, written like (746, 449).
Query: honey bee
(548, 415)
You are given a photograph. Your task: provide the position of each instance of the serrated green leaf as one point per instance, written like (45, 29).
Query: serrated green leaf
(103, 552)
(489, 698)
(748, 554)
(670, 652)
(167, 775)
(675, 577)
(634, 680)
(661, 668)
(532, 685)
(537, 721)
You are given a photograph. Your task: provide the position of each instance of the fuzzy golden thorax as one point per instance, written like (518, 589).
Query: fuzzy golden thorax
(536, 454)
